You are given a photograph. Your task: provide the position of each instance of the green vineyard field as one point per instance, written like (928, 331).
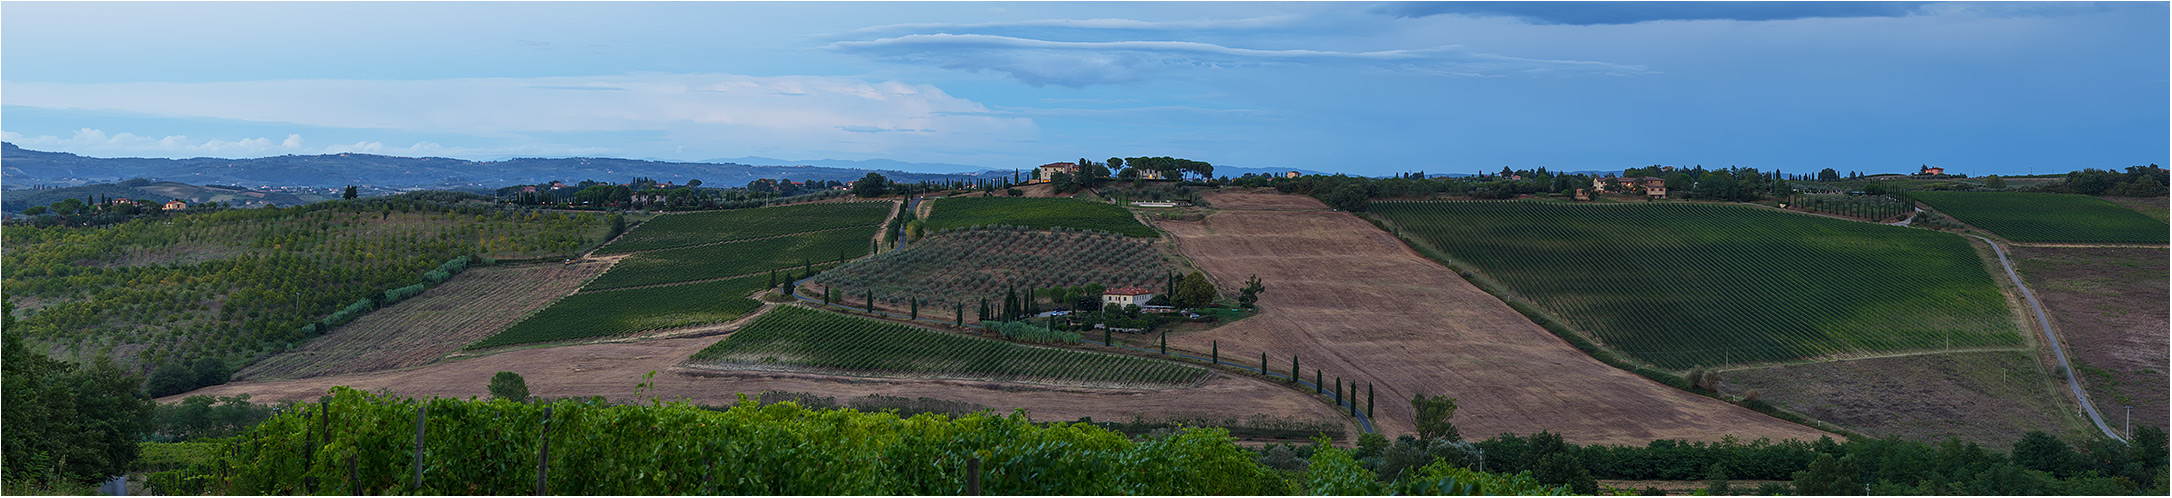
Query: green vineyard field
(735, 258)
(620, 312)
(2041, 217)
(798, 339)
(1690, 285)
(357, 443)
(1038, 213)
(680, 230)
(239, 285)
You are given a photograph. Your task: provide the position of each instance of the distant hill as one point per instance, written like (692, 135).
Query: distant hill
(17, 200)
(868, 164)
(21, 167)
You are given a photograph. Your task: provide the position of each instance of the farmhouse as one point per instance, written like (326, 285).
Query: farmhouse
(1651, 185)
(1292, 174)
(1129, 295)
(176, 205)
(1049, 171)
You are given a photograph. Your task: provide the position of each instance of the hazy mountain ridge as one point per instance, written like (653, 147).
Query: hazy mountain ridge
(21, 168)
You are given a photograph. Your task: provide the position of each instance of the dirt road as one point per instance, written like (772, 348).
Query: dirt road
(1349, 298)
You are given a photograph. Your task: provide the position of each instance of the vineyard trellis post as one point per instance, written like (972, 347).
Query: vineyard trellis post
(422, 416)
(543, 457)
(972, 476)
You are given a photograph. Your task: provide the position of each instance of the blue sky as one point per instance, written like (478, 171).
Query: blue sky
(1363, 88)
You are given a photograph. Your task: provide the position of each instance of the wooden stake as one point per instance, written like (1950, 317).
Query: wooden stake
(421, 417)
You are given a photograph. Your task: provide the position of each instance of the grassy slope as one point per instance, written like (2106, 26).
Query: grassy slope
(795, 338)
(1684, 285)
(680, 230)
(2040, 217)
(1990, 397)
(965, 212)
(620, 312)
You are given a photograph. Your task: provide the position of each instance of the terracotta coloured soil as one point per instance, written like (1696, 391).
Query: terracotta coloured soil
(429, 326)
(1348, 298)
(611, 369)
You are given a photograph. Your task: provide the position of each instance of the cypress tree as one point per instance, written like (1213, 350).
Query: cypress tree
(773, 278)
(1338, 389)
(1165, 342)
(871, 300)
(1263, 365)
(1318, 386)
(959, 313)
(1368, 398)
(915, 308)
(1293, 369)
(1217, 357)
(1105, 336)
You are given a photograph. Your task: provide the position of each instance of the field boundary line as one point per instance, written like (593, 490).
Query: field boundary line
(1842, 359)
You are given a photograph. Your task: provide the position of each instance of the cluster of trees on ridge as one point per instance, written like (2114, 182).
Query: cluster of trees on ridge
(1353, 193)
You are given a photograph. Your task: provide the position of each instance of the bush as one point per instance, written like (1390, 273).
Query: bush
(509, 386)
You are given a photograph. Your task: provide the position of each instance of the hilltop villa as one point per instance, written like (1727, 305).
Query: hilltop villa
(1129, 295)
(1049, 171)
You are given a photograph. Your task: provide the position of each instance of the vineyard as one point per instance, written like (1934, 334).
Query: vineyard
(1870, 207)
(964, 265)
(2039, 217)
(802, 340)
(620, 312)
(234, 286)
(1694, 285)
(421, 330)
(1039, 213)
(735, 258)
(355, 443)
(680, 230)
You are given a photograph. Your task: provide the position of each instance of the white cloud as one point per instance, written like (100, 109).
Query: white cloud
(1079, 64)
(99, 143)
(1098, 24)
(717, 111)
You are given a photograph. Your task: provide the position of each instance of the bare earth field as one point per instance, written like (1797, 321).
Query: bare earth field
(1350, 299)
(423, 329)
(612, 369)
(1991, 397)
(2109, 305)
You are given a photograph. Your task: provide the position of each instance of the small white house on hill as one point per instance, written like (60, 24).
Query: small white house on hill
(1129, 295)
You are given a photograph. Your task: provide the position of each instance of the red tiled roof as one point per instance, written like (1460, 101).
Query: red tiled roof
(1127, 291)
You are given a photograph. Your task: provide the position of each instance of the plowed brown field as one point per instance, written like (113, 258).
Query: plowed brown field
(438, 322)
(611, 370)
(1349, 298)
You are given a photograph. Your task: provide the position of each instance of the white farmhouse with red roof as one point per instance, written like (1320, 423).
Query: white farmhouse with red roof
(1128, 295)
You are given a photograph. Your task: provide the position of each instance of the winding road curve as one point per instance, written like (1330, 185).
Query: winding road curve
(2056, 350)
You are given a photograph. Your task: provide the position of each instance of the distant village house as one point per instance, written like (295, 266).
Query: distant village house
(176, 205)
(1049, 171)
(1133, 296)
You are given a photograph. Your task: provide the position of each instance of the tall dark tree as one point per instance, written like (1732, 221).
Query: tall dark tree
(872, 185)
(1432, 417)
